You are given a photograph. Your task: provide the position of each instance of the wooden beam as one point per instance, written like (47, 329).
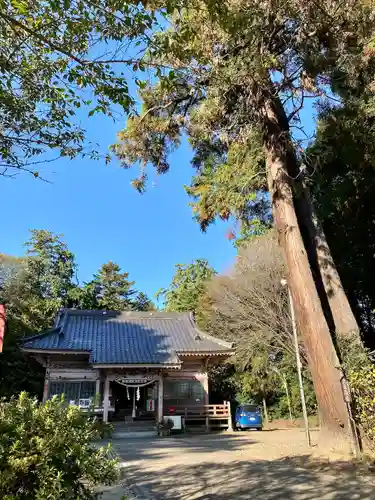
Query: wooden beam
(204, 382)
(160, 397)
(46, 387)
(106, 399)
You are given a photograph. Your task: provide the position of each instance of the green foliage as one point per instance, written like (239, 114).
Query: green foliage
(279, 403)
(111, 290)
(222, 382)
(49, 273)
(39, 285)
(51, 69)
(34, 288)
(360, 372)
(258, 382)
(46, 451)
(104, 429)
(234, 188)
(342, 160)
(114, 290)
(18, 372)
(362, 383)
(250, 308)
(84, 297)
(254, 227)
(187, 286)
(226, 62)
(265, 380)
(142, 303)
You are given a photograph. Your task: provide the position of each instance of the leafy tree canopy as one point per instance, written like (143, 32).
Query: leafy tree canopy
(40, 284)
(55, 58)
(223, 64)
(187, 286)
(341, 165)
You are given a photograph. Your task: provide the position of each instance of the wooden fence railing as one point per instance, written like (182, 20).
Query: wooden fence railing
(213, 416)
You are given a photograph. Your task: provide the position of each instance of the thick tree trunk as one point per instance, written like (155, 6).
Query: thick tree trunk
(322, 357)
(319, 253)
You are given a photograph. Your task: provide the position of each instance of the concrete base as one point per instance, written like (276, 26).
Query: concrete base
(131, 429)
(133, 434)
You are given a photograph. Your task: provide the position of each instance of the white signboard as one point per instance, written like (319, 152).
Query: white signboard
(177, 421)
(84, 403)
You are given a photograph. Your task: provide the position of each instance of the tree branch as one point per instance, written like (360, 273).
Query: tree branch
(14, 22)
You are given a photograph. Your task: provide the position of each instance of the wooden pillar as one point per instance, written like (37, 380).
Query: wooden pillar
(204, 382)
(134, 410)
(97, 400)
(106, 398)
(160, 397)
(46, 387)
(230, 423)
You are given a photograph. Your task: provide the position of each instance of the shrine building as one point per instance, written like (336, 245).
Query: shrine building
(135, 364)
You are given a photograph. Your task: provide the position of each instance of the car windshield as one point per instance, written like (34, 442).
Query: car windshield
(250, 408)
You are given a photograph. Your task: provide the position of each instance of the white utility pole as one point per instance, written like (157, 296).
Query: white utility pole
(299, 364)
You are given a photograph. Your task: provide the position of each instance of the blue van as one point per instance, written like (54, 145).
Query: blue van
(248, 416)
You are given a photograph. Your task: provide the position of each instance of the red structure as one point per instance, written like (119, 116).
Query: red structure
(2, 326)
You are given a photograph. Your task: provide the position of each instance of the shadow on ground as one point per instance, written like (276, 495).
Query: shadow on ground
(283, 479)
(177, 469)
(156, 448)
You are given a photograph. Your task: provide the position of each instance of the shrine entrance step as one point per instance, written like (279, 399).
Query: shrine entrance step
(137, 429)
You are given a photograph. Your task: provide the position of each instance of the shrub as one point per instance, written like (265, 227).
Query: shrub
(46, 452)
(104, 430)
(362, 383)
(361, 376)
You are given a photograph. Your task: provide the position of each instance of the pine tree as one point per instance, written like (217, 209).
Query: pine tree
(142, 303)
(114, 290)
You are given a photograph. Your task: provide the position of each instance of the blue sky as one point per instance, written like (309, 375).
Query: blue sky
(103, 218)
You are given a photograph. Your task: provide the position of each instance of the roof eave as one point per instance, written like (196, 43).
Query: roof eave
(137, 365)
(207, 353)
(38, 336)
(220, 342)
(54, 351)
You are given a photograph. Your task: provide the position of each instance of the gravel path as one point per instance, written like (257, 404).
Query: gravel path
(266, 465)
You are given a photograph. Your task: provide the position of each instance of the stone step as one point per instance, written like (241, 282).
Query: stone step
(135, 429)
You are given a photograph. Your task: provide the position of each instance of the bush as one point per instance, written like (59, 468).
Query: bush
(362, 383)
(46, 452)
(104, 430)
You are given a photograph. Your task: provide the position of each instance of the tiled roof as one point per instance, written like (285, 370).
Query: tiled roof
(127, 337)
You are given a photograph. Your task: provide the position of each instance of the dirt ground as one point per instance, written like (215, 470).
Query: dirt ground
(265, 465)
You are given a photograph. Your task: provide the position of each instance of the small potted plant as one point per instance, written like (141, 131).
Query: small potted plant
(164, 427)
